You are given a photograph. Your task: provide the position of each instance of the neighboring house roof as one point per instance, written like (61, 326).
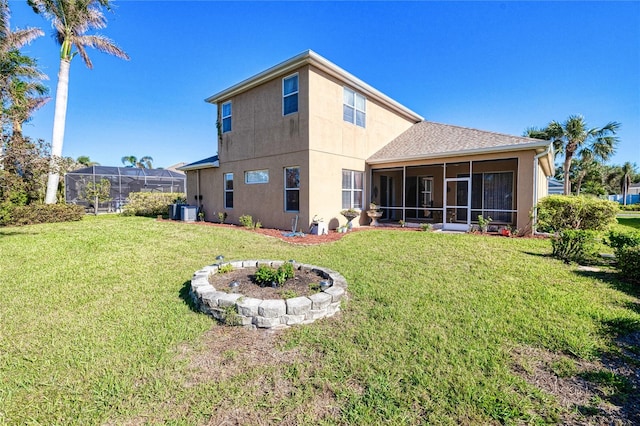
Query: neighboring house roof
(427, 140)
(175, 167)
(126, 171)
(555, 186)
(205, 163)
(309, 57)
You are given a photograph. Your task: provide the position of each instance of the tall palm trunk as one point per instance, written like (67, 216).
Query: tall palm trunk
(567, 167)
(59, 121)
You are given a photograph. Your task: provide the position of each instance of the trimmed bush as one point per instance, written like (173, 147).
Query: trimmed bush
(40, 213)
(150, 204)
(574, 245)
(618, 239)
(629, 263)
(558, 212)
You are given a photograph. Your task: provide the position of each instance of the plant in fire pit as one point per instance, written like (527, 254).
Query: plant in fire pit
(267, 276)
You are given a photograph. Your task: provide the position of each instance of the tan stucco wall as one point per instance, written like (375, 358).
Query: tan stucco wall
(336, 145)
(259, 129)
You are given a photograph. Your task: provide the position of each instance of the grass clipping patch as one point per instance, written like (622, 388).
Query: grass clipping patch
(604, 391)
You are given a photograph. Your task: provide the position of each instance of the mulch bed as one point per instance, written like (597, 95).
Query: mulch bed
(300, 285)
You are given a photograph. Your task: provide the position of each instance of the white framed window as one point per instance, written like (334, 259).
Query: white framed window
(292, 189)
(426, 191)
(226, 117)
(352, 187)
(228, 190)
(290, 94)
(256, 176)
(354, 108)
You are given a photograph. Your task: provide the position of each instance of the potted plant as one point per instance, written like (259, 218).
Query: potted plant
(350, 214)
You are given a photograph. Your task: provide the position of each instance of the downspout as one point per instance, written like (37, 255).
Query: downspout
(535, 186)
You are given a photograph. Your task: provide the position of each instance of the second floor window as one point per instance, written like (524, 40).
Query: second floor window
(290, 94)
(226, 117)
(354, 109)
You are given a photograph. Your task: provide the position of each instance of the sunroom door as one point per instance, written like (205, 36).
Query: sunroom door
(458, 216)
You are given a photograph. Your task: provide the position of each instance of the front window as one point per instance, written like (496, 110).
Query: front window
(256, 176)
(292, 189)
(354, 109)
(228, 190)
(352, 189)
(226, 117)
(290, 94)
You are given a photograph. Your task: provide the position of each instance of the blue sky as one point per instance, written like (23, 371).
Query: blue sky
(497, 66)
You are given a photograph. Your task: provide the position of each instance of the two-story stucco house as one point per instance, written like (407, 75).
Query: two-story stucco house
(306, 138)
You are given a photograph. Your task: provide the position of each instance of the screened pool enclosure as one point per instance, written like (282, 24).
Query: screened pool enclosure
(123, 181)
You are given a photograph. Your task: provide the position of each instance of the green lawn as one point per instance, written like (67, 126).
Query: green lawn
(94, 328)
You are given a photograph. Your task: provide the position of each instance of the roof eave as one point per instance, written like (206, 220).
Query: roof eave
(477, 151)
(309, 57)
(209, 165)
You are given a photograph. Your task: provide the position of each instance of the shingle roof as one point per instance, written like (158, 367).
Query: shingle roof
(201, 164)
(434, 140)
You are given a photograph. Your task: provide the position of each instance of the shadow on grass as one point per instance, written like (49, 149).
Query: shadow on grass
(186, 297)
(614, 279)
(13, 233)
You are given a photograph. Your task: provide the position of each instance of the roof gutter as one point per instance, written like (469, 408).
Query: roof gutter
(199, 166)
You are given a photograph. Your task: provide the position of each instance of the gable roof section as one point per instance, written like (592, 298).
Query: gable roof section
(309, 57)
(205, 163)
(427, 140)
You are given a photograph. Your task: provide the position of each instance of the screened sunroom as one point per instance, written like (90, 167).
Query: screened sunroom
(123, 181)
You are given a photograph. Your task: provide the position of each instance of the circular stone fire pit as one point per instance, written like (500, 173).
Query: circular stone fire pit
(236, 309)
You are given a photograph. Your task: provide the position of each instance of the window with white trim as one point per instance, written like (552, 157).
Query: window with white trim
(226, 117)
(292, 189)
(352, 187)
(228, 190)
(354, 108)
(290, 94)
(256, 176)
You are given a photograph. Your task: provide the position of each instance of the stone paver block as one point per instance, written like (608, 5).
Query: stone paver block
(336, 293)
(320, 300)
(205, 289)
(229, 299)
(248, 306)
(249, 263)
(292, 319)
(315, 314)
(264, 322)
(211, 299)
(298, 305)
(272, 308)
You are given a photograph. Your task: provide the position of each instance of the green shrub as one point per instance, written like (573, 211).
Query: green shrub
(266, 275)
(222, 216)
(619, 239)
(574, 245)
(631, 207)
(39, 213)
(558, 212)
(246, 221)
(629, 262)
(150, 204)
(224, 269)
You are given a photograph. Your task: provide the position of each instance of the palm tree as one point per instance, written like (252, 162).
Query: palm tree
(12, 40)
(14, 69)
(574, 135)
(625, 174)
(23, 92)
(84, 160)
(145, 162)
(71, 19)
